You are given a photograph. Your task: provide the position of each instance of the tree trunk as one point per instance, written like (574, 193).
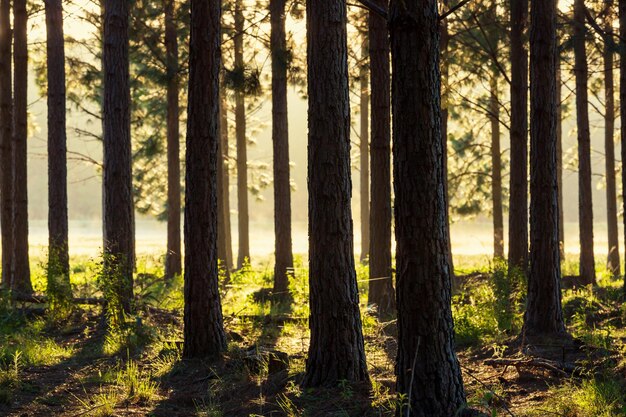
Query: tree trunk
(225, 187)
(518, 198)
(622, 108)
(336, 351)
(364, 148)
(204, 329)
(381, 291)
(21, 268)
(559, 157)
(613, 261)
(496, 167)
(222, 252)
(58, 250)
(119, 248)
(173, 257)
(6, 143)
(280, 141)
(242, 157)
(585, 207)
(428, 371)
(543, 306)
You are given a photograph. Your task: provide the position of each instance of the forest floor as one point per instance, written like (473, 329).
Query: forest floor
(69, 366)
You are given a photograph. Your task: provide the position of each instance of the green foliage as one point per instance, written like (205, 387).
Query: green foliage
(115, 284)
(590, 398)
(58, 288)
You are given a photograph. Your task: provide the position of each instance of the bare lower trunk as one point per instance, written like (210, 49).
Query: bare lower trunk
(336, 351)
(21, 268)
(173, 257)
(364, 150)
(622, 108)
(496, 174)
(428, 372)
(225, 163)
(559, 158)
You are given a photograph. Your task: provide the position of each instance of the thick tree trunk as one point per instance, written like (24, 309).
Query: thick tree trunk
(381, 291)
(6, 143)
(559, 157)
(242, 154)
(364, 140)
(336, 351)
(21, 268)
(613, 261)
(280, 141)
(518, 198)
(173, 257)
(585, 206)
(496, 169)
(543, 307)
(225, 187)
(119, 245)
(204, 329)
(622, 108)
(428, 372)
(58, 250)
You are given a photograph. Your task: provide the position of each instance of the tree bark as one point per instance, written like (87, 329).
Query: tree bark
(6, 143)
(518, 198)
(585, 206)
(613, 260)
(173, 257)
(225, 187)
(381, 291)
(559, 157)
(622, 108)
(280, 141)
(58, 238)
(543, 306)
(21, 267)
(496, 169)
(364, 148)
(204, 329)
(242, 155)
(119, 245)
(428, 371)
(336, 351)
(222, 252)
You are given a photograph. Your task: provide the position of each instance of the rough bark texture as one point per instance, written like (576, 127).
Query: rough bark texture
(585, 206)
(518, 197)
(622, 99)
(543, 306)
(225, 187)
(381, 291)
(58, 250)
(496, 169)
(204, 329)
(280, 141)
(427, 368)
(173, 257)
(336, 351)
(222, 252)
(118, 211)
(21, 268)
(364, 154)
(6, 142)
(242, 154)
(559, 157)
(613, 260)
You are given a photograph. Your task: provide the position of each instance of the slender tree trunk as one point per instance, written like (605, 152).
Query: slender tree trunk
(225, 206)
(242, 156)
(204, 329)
(21, 267)
(173, 257)
(58, 250)
(559, 157)
(428, 372)
(364, 147)
(518, 198)
(381, 291)
(543, 306)
(6, 143)
(613, 261)
(496, 166)
(119, 245)
(585, 206)
(280, 140)
(336, 351)
(622, 108)
(222, 193)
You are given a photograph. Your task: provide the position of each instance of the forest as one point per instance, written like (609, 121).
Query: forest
(397, 130)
